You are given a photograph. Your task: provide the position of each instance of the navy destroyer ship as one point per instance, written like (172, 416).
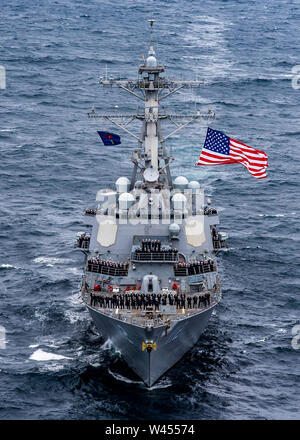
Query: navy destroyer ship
(151, 281)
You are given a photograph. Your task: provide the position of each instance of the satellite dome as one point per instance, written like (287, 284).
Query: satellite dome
(122, 184)
(126, 200)
(179, 201)
(181, 183)
(151, 61)
(194, 186)
(174, 229)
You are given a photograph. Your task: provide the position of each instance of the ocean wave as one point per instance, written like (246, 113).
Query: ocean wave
(51, 367)
(8, 266)
(163, 383)
(74, 317)
(276, 215)
(75, 299)
(40, 316)
(108, 345)
(51, 342)
(125, 379)
(42, 356)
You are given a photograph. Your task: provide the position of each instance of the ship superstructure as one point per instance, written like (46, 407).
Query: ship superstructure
(151, 282)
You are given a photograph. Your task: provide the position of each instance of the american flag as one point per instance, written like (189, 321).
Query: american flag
(220, 149)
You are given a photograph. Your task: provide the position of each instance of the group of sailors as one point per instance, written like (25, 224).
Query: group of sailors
(194, 268)
(134, 301)
(148, 245)
(154, 247)
(91, 211)
(96, 264)
(214, 233)
(216, 239)
(84, 241)
(210, 211)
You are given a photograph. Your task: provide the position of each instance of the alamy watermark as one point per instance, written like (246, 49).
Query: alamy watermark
(2, 337)
(296, 77)
(296, 338)
(143, 207)
(2, 77)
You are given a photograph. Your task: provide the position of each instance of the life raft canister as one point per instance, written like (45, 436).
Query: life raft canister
(175, 286)
(97, 287)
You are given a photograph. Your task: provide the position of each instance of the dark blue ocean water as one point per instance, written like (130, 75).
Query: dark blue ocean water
(55, 365)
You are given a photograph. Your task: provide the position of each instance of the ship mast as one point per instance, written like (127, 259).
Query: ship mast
(151, 157)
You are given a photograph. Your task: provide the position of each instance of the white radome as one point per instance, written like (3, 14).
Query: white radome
(126, 200)
(174, 229)
(181, 183)
(122, 184)
(151, 61)
(179, 201)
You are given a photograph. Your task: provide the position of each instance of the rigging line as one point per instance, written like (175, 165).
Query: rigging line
(123, 128)
(130, 91)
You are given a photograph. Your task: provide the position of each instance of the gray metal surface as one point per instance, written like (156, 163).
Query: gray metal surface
(171, 344)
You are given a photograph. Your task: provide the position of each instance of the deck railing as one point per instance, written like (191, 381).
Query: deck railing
(83, 244)
(149, 316)
(186, 269)
(108, 270)
(219, 244)
(162, 256)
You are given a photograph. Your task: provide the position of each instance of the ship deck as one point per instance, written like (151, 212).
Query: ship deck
(149, 317)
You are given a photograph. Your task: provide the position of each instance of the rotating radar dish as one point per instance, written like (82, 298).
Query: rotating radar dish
(151, 175)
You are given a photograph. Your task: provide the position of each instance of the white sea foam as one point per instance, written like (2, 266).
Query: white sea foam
(41, 355)
(262, 340)
(52, 260)
(74, 299)
(74, 270)
(271, 215)
(8, 266)
(209, 32)
(79, 350)
(40, 316)
(48, 341)
(73, 317)
(124, 379)
(51, 367)
(107, 345)
(164, 383)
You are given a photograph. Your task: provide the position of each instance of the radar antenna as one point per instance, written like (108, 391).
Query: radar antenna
(151, 88)
(151, 21)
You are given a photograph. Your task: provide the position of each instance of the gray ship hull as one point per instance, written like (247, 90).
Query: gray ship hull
(171, 344)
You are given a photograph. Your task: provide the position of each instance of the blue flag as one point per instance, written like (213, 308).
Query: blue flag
(109, 138)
